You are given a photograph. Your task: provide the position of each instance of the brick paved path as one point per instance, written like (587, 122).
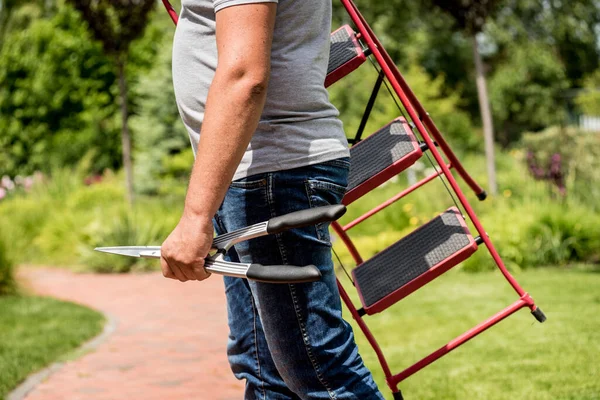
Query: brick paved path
(169, 343)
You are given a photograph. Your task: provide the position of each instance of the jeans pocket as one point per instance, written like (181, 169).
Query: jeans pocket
(248, 183)
(323, 193)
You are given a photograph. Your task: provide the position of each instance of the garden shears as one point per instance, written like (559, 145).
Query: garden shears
(217, 264)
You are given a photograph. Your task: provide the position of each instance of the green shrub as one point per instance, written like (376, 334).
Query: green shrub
(147, 225)
(580, 159)
(61, 220)
(23, 218)
(525, 92)
(533, 234)
(563, 234)
(350, 97)
(7, 280)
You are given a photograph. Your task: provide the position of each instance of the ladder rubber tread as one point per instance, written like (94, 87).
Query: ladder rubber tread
(342, 49)
(444, 241)
(381, 150)
(345, 54)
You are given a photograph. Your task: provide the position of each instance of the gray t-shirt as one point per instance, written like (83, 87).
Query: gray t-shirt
(299, 125)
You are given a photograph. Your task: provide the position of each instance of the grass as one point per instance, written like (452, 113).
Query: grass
(517, 359)
(36, 331)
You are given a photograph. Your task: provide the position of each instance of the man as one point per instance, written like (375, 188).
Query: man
(249, 75)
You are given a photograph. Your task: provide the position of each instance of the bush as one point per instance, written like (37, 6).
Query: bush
(61, 220)
(7, 280)
(533, 234)
(350, 97)
(525, 92)
(564, 234)
(142, 227)
(579, 159)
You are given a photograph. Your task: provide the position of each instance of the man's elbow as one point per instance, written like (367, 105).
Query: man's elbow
(251, 80)
(257, 87)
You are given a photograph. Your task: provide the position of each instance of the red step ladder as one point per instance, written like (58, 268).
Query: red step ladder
(433, 248)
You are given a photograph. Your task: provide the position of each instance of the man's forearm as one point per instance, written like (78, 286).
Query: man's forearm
(244, 33)
(233, 108)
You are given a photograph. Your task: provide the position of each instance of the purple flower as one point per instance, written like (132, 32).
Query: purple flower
(28, 182)
(7, 182)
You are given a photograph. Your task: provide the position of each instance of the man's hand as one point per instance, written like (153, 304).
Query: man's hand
(183, 253)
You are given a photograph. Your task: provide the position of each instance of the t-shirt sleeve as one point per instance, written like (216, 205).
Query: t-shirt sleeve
(221, 4)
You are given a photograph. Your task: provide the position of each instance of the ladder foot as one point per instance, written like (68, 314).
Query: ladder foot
(482, 196)
(398, 395)
(539, 314)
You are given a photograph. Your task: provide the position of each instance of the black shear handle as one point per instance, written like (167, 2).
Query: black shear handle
(302, 218)
(283, 273)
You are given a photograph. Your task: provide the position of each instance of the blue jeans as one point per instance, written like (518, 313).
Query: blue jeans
(290, 341)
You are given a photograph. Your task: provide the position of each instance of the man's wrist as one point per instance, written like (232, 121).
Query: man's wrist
(199, 215)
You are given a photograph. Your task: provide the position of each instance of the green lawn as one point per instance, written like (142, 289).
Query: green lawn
(35, 331)
(517, 359)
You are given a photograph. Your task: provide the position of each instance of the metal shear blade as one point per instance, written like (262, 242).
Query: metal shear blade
(132, 251)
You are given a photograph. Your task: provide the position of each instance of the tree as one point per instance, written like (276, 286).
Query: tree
(57, 98)
(526, 91)
(116, 24)
(32, 8)
(569, 27)
(162, 153)
(470, 17)
(589, 98)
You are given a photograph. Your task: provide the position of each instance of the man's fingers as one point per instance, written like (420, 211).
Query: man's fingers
(173, 270)
(188, 272)
(166, 270)
(177, 271)
(199, 272)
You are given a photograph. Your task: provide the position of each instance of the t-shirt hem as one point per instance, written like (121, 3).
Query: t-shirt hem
(221, 4)
(291, 164)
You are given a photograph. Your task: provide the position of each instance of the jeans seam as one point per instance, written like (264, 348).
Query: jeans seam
(307, 345)
(309, 193)
(258, 369)
(270, 200)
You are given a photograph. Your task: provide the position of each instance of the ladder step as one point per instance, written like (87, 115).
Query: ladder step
(346, 54)
(414, 261)
(380, 157)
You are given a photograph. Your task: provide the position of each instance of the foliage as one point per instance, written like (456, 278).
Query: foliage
(528, 227)
(551, 234)
(56, 98)
(470, 15)
(116, 26)
(162, 153)
(569, 27)
(61, 220)
(589, 99)
(7, 279)
(580, 159)
(351, 95)
(525, 92)
(36, 331)
(123, 228)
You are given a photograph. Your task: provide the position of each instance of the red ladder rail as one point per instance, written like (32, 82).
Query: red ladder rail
(391, 71)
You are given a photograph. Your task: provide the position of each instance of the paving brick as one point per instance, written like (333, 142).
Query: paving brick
(168, 335)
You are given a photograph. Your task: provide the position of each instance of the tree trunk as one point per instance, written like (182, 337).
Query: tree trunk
(486, 117)
(125, 136)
